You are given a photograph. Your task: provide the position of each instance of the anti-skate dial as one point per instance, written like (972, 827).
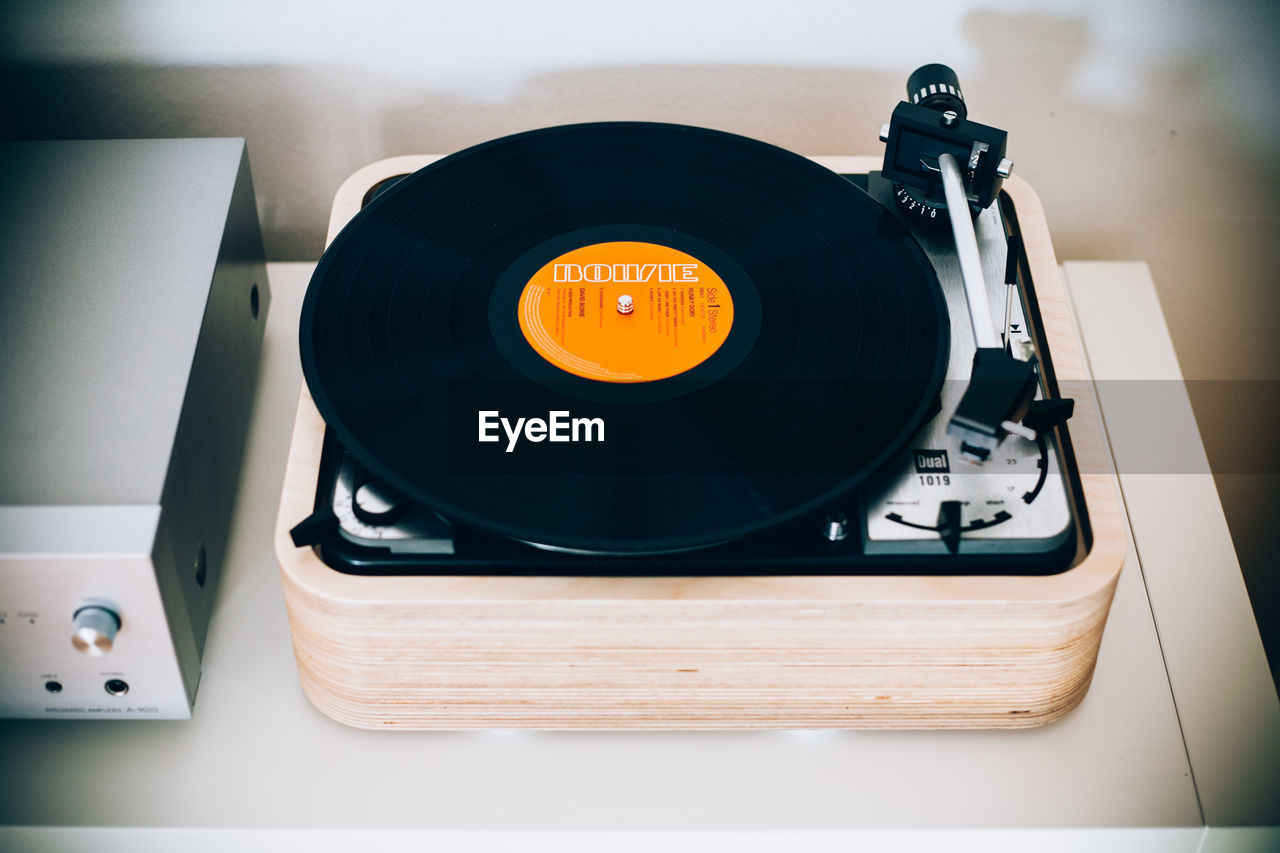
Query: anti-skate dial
(922, 208)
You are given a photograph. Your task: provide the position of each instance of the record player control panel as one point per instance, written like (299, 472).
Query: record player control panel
(929, 500)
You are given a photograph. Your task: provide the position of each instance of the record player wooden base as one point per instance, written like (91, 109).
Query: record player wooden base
(708, 653)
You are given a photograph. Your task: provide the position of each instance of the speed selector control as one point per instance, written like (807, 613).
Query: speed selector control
(95, 630)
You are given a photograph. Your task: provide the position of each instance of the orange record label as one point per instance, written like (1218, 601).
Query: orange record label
(625, 312)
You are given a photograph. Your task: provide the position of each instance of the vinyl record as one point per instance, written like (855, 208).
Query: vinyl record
(623, 337)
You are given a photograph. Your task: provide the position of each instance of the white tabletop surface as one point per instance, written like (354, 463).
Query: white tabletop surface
(258, 756)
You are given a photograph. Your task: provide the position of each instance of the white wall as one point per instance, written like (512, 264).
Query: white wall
(1146, 126)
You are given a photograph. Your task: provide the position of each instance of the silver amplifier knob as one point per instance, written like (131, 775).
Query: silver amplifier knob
(95, 630)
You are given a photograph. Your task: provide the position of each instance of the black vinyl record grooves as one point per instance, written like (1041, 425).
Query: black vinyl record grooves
(794, 336)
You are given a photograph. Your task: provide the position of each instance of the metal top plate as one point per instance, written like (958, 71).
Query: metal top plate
(107, 252)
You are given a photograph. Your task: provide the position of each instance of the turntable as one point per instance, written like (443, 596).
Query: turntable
(633, 425)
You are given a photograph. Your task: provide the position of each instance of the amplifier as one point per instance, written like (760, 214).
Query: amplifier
(133, 296)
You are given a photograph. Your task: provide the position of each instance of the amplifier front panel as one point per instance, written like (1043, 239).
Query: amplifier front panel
(44, 676)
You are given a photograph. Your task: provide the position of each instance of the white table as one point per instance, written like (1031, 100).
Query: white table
(1176, 746)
